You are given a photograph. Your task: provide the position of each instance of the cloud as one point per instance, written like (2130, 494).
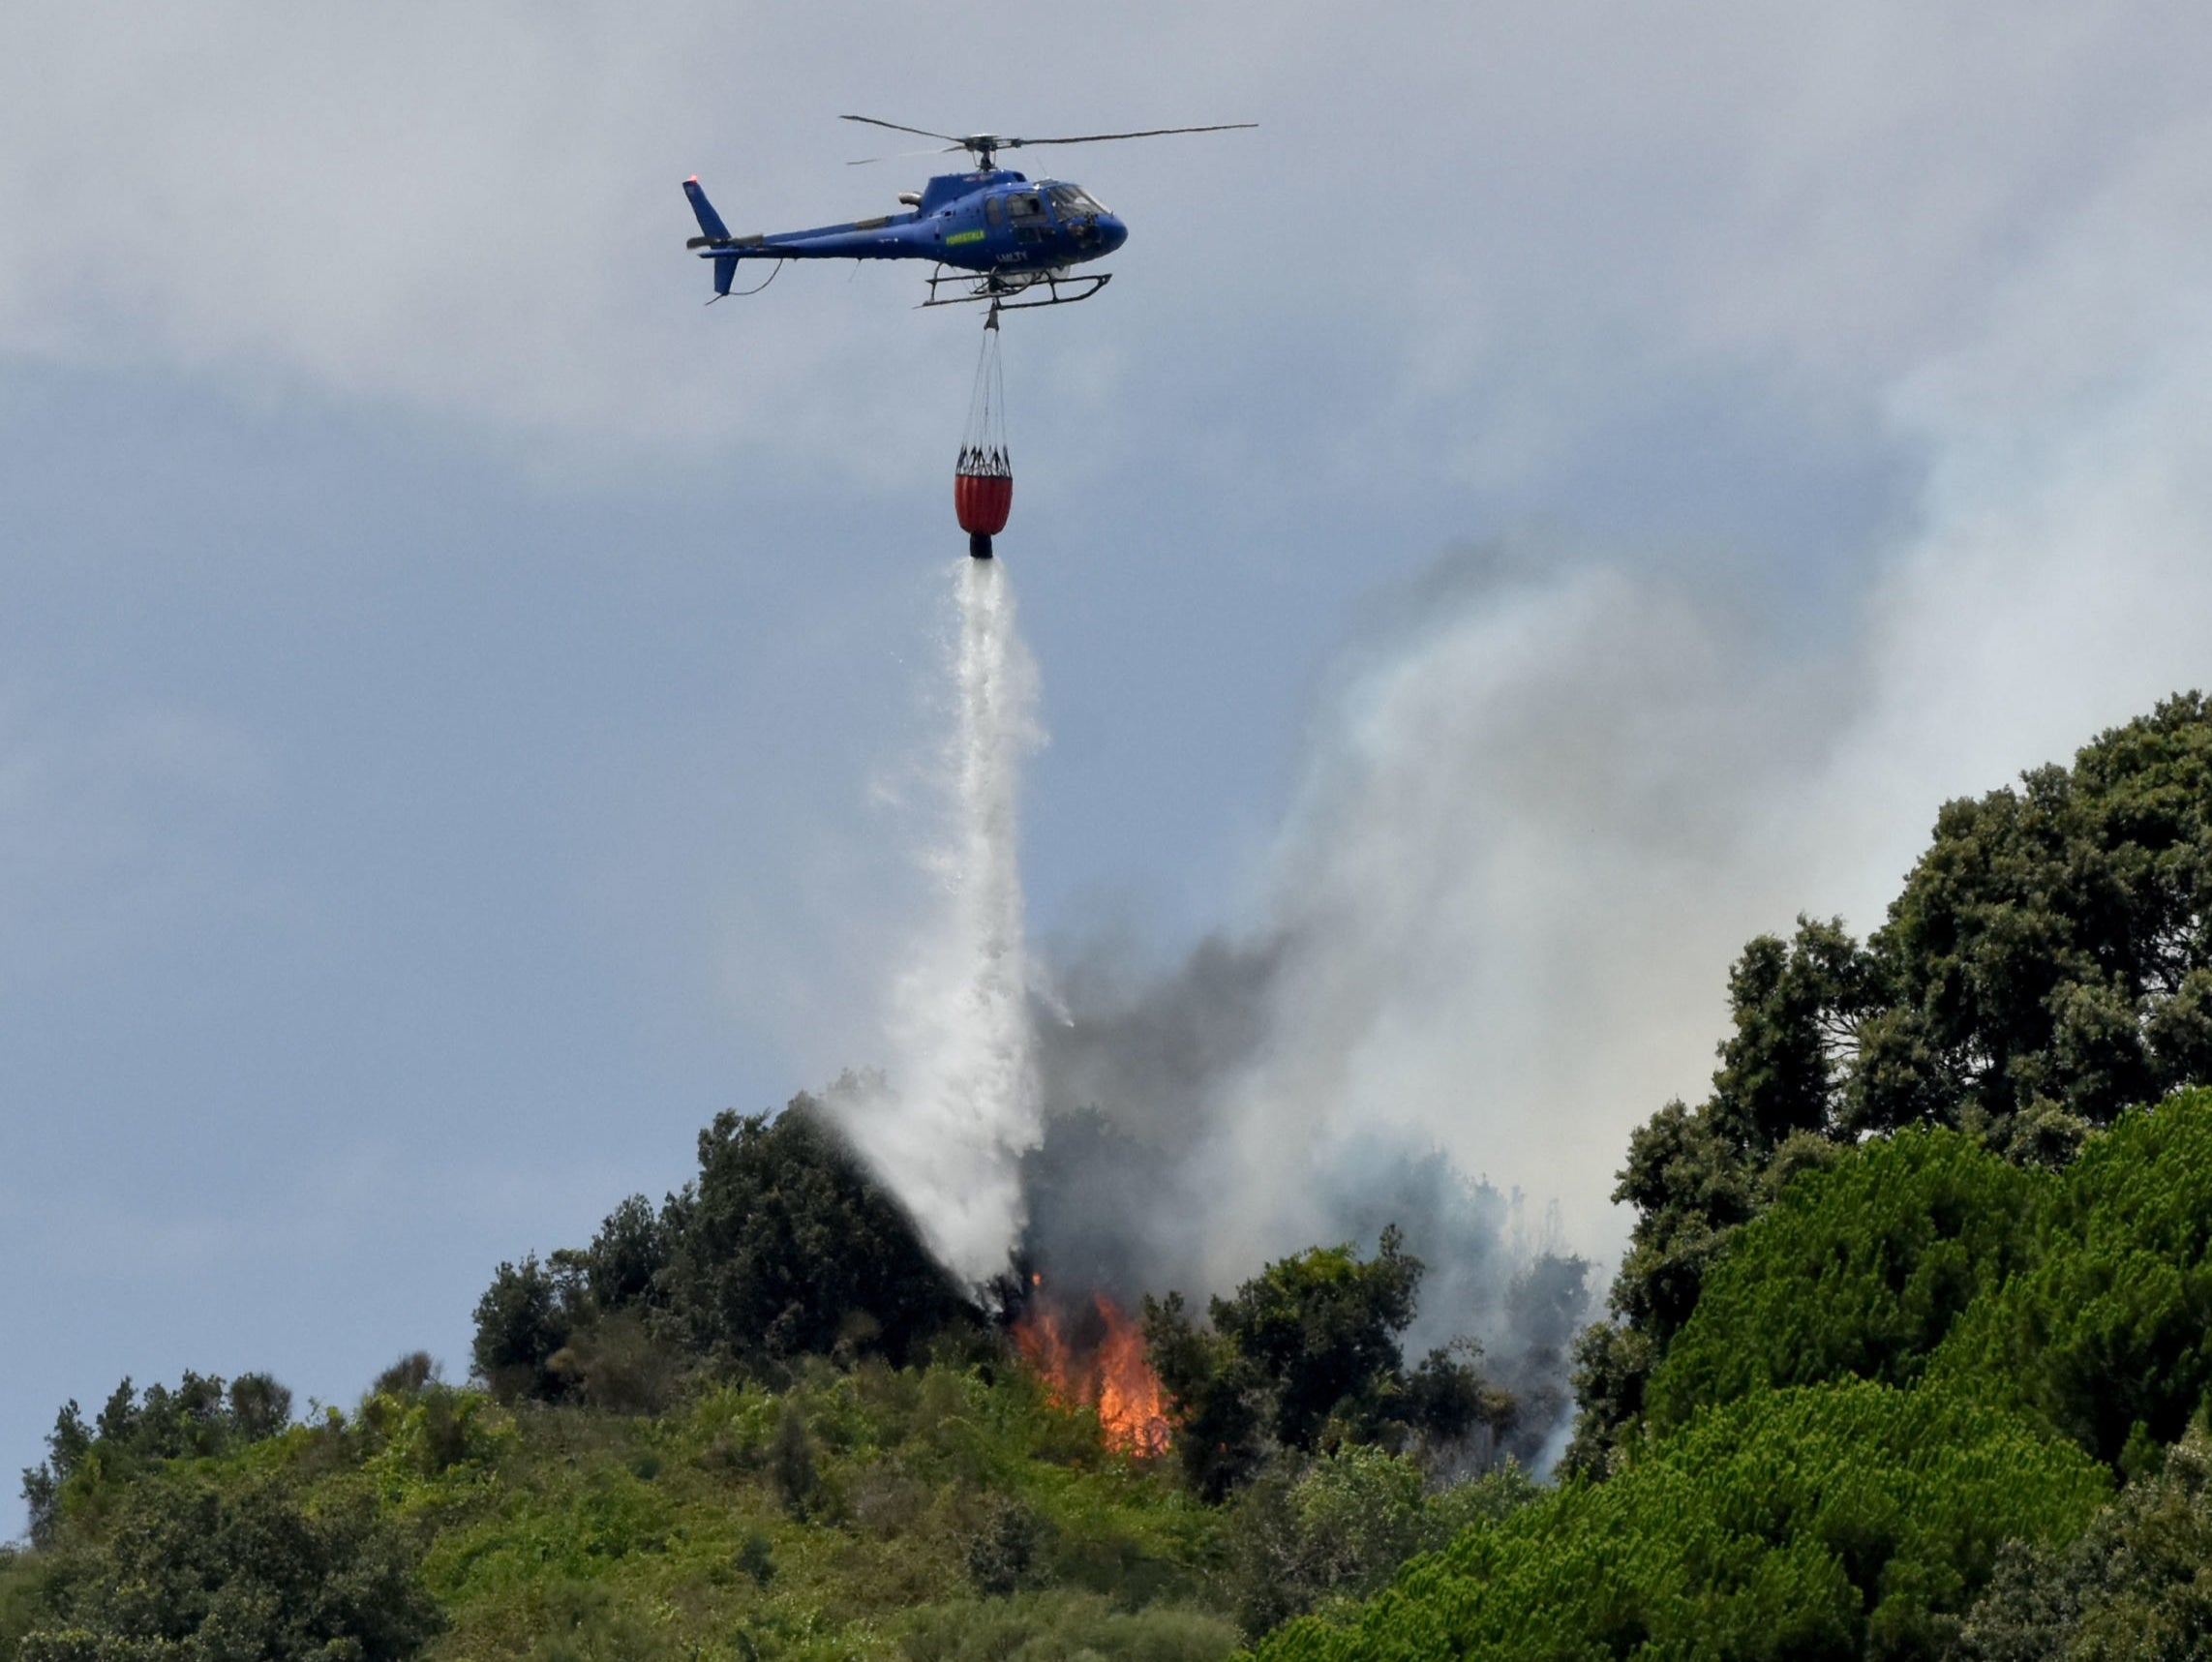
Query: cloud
(1527, 215)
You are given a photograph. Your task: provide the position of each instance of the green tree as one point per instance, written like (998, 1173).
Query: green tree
(2136, 1584)
(1857, 1271)
(2052, 947)
(1305, 1356)
(188, 1573)
(2106, 1335)
(522, 1322)
(1003, 1548)
(1692, 1185)
(1215, 1394)
(1323, 1328)
(786, 1245)
(790, 1459)
(1796, 1008)
(1336, 1529)
(2049, 962)
(200, 1418)
(408, 1377)
(1812, 1524)
(622, 1265)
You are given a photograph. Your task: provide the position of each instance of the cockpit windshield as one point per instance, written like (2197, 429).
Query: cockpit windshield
(1074, 202)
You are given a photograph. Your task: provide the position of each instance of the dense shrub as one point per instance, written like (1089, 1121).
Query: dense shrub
(1859, 1271)
(2110, 1328)
(1337, 1528)
(848, 1513)
(200, 1417)
(2136, 1584)
(1823, 1521)
(1065, 1626)
(187, 1572)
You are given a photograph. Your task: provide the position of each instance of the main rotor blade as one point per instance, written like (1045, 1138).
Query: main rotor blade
(917, 132)
(902, 155)
(1148, 133)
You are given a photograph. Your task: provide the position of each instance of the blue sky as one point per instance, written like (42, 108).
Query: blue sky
(1568, 491)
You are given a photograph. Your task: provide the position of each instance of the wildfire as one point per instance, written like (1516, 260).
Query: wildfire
(1098, 1365)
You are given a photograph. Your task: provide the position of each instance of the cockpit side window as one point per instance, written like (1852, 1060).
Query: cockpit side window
(994, 210)
(1023, 206)
(1074, 202)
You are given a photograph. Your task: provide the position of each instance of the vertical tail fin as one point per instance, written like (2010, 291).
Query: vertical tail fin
(710, 222)
(712, 234)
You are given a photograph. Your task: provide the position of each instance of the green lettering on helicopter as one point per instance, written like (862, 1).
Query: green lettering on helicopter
(963, 236)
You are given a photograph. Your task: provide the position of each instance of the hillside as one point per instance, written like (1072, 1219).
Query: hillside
(857, 1512)
(1909, 1359)
(941, 1511)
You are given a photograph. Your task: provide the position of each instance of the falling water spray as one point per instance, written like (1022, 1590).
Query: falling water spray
(949, 1130)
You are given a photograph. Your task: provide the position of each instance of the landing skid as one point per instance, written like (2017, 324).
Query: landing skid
(1000, 287)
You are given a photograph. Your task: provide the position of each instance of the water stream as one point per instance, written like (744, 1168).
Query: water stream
(962, 1104)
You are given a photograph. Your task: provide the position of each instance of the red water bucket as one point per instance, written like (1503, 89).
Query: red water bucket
(983, 501)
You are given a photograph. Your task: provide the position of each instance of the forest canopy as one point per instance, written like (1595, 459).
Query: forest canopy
(2048, 965)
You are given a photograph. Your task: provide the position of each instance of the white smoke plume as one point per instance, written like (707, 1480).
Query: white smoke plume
(1547, 798)
(1550, 794)
(1491, 935)
(949, 1127)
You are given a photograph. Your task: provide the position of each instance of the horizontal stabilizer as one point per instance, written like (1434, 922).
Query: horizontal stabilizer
(709, 221)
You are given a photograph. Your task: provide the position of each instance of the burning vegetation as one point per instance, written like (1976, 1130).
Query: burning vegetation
(1304, 1360)
(1093, 1356)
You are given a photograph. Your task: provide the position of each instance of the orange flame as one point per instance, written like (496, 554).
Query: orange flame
(1110, 1376)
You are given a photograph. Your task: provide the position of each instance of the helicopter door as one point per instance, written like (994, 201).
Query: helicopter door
(1027, 209)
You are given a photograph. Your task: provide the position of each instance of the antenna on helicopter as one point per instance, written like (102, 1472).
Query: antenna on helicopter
(986, 146)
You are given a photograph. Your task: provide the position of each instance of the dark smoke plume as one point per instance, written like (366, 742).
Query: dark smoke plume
(1135, 1185)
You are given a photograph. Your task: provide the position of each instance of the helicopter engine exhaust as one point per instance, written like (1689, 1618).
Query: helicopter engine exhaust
(983, 481)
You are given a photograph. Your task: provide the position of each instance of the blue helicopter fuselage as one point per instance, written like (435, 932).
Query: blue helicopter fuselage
(992, 221)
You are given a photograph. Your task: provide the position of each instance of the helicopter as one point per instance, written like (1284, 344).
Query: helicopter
(993, 234)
